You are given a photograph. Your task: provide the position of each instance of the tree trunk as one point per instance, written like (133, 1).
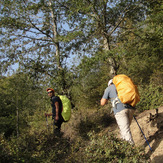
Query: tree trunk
(55, 35)
(112, 63)
(17, 115)
(57, 47)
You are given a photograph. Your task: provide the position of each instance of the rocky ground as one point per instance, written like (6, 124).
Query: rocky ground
(152, 128)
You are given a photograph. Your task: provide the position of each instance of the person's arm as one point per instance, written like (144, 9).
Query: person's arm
(48, 115)
(105, 97)
(104, 101)
(57, 111)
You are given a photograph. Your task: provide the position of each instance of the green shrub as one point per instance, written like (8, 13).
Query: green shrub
(151, 97)
(110, 149)
(38, 147)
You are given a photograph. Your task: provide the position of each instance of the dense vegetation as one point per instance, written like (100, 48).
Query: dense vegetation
(74, 47)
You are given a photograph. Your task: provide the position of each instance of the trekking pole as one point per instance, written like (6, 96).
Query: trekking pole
(47, 123)
(142, 132)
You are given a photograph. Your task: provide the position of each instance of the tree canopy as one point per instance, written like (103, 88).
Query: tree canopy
(75, 47)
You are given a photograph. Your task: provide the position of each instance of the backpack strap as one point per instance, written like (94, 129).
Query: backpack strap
(128, 106)
(114, 102)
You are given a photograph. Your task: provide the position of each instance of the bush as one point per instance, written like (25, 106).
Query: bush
(106, 148)
(150, 97)
(38, 147)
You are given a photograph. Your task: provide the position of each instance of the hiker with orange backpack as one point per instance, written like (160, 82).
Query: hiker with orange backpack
(56, 104)
(123, 111)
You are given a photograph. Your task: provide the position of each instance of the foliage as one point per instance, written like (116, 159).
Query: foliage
(151, 95)
(63, 88)
(100, 23)
(91, 120)
(91, 80)
(40, 36)
(36, 147)
(93, 144)
(142, 47)
(20, 97)
(36, 143)
(90, 144)
(34, 39)
(111, 149)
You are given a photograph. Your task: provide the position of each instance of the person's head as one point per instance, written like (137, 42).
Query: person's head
(110, 82)
(50, 92)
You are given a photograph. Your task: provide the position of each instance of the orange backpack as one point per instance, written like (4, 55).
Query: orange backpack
(127, 91)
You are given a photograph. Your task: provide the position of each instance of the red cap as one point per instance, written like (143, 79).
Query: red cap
(50, 89)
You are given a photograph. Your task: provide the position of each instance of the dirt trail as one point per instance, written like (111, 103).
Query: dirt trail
(153, 131)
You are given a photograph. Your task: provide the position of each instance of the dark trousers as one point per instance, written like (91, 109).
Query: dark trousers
(57, 124)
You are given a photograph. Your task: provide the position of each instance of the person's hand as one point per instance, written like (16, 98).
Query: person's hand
(56, 118)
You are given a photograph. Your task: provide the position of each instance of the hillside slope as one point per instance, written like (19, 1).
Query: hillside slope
(104, 122)
(153, 131)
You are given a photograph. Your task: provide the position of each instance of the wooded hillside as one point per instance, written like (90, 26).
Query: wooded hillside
(74, 47)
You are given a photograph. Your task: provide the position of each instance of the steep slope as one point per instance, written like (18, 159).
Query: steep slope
(104, 123)
(151, 125)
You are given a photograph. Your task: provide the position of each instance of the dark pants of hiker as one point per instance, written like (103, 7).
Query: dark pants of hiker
(57, 124)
